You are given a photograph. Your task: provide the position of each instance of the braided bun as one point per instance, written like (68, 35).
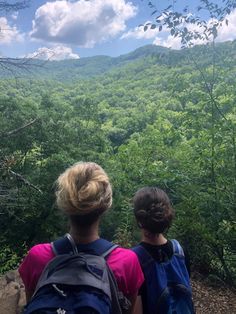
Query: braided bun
(83, 188)
(152, 209)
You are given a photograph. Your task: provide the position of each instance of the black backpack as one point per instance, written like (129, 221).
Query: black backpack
(78, 280)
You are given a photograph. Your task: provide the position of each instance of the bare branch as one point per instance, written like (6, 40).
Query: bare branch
(10, 133)
(23, 64)
(26, 182)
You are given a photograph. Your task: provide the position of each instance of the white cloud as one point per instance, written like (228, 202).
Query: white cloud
(164, 39)
(56, 53)
(8, 33)
(169, 42)
(139, 33)
(228, 32)
(175, 42)
(83, 23)
(14, 16)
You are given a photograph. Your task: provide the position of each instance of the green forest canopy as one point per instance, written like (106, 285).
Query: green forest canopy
(152, 117)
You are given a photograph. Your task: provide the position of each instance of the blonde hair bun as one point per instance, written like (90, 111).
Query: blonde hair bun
(83, 188)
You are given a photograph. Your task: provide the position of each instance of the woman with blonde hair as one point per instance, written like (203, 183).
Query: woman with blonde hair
(84, 193)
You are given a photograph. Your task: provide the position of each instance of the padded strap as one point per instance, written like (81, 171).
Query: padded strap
(177, 248)
(144, 257)
(66, 245)
(148, 265)
(109, 250)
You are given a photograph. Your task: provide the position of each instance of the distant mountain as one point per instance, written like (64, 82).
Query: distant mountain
(142, 52)
(67, 71)
(70, 70)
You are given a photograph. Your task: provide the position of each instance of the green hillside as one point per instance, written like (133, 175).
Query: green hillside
(151, 117)
(69, 71)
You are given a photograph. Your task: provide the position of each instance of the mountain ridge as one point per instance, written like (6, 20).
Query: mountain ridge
(89, 67)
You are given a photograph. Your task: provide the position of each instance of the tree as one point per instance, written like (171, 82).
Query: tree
(210, 206)
(187, 24)
(14, 65)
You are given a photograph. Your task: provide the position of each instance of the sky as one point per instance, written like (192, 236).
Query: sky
(72, 29)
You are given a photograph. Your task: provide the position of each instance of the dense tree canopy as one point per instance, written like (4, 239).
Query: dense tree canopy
(153, 117)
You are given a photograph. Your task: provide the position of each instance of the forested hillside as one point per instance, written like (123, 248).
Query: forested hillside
(152, 117)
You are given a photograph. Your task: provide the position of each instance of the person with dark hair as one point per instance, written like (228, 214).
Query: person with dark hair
(83, 193)
(167, 285)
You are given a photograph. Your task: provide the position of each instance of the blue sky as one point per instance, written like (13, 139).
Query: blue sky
(65, 29)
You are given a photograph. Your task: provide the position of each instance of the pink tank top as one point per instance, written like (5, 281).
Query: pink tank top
(123, 262)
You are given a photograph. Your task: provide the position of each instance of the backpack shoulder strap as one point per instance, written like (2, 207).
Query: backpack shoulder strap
(177, 248)
(144, 257)
(109, 250)
(103, 247)
(66, 245)
(149, 267)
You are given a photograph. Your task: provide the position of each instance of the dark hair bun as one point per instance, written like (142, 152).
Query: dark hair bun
(152, 209)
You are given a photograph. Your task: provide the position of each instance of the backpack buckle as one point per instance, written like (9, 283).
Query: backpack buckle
(61, 311)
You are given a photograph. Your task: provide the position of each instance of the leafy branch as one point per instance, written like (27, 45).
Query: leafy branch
(189, 26)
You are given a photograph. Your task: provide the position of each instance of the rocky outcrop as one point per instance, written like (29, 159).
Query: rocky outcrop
(12, 294)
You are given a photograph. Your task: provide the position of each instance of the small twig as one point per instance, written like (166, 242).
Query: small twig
(26, 182)
(10, 133)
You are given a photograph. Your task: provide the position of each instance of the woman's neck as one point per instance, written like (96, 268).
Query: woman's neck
(154, 239)
(85, 236)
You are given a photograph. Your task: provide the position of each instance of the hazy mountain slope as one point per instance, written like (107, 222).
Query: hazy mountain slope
(69, 71)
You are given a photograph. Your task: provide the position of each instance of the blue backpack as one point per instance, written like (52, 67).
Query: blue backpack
(78, 280)
(168, 289)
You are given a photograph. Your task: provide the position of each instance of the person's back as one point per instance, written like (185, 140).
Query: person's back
(167, 285)
(83, 193)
